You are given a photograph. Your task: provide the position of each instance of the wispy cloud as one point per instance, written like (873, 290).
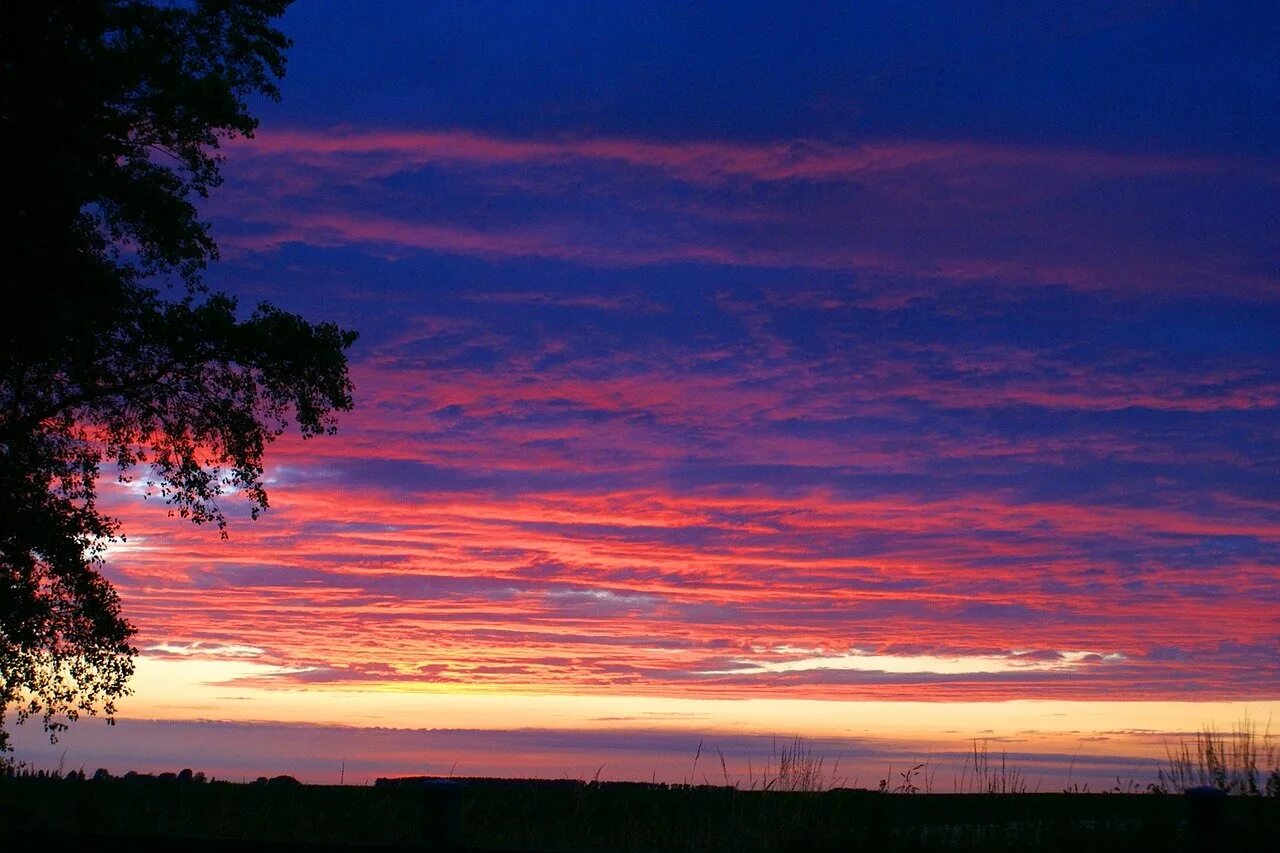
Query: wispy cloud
(200, 649)
(955, 212)
(863, 661)
(374, 152)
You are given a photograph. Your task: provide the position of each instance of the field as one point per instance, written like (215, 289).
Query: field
(569, 815)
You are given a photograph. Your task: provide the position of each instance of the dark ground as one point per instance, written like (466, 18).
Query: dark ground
(564, 815)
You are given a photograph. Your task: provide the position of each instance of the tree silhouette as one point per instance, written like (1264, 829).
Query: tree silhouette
(114, 352)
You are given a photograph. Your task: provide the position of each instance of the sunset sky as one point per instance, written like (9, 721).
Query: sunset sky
(893, 375)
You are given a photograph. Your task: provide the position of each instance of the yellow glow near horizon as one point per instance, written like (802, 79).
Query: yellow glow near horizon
(199, 689)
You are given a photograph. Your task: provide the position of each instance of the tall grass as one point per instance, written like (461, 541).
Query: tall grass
(792, 766)
(799, 768)
(1240, 761)
(982, 774)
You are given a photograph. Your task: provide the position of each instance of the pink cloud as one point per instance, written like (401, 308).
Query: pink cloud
(718, 161)
(943, 212)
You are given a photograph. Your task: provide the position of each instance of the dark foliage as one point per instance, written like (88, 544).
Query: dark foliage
(113, 351)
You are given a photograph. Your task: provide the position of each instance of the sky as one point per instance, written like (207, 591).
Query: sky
(890, 374)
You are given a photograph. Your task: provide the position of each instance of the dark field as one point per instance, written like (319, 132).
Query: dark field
(564, 815)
